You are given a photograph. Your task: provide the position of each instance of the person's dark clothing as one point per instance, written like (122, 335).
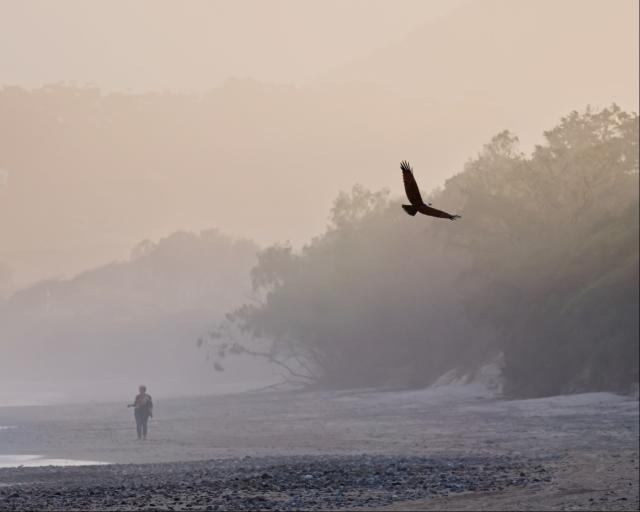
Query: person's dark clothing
(141, 424)
(143, 410)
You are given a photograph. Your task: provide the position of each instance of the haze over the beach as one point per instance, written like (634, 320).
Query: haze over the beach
(319, 254)
(157, 158)
(282, 104)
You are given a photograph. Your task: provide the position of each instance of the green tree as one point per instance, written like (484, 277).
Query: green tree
(543, 268)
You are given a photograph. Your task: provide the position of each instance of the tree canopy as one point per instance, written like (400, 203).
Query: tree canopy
(543, 269)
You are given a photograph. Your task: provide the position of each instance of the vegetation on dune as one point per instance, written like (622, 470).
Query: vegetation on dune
(543, 268)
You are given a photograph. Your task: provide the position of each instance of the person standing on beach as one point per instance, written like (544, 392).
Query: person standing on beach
(143, 410)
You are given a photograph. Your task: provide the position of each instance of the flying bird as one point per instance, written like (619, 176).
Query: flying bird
(413, 194)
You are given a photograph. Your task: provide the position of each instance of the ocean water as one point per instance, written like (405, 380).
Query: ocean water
(31, 460)
(16, 461)
(15, 398)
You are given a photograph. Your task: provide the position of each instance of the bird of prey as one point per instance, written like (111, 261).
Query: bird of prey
(413, 194)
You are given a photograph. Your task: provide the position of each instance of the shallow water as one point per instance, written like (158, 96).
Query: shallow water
(16, 461)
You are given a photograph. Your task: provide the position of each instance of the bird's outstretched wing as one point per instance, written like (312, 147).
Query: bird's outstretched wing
(410, 185)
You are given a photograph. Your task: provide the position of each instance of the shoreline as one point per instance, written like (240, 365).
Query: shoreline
(588, 445)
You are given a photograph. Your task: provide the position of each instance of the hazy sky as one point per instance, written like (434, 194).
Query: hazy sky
(375, 81)
(195, 45)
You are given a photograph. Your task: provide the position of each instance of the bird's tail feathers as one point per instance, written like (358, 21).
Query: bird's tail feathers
(410, 209)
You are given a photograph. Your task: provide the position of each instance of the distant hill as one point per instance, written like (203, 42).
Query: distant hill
(88, 173)
(103, 332)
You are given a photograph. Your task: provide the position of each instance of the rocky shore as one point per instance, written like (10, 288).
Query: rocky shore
(265, 483)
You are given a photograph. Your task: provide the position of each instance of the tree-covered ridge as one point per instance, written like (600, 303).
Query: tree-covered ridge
(127, 319)
(543, 268)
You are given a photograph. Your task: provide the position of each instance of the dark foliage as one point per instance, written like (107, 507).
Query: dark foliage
(543, 268)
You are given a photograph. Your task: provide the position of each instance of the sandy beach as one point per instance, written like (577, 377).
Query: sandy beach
(576, 452)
